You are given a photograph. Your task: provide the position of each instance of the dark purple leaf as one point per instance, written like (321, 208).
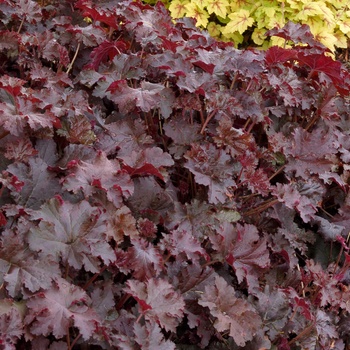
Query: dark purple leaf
(39, 183)
(149, 337)
(231, 313)
(213, 168)
(146, 97)
(278, 54)
(107, 50)
(144, 259)
(59, 308)
(21, 267)
(72, 232)
(158, 301)
(11, 324)
(242, 248)
(100, 174)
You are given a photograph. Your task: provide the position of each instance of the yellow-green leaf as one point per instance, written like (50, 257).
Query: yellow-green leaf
(342, 40)
(240, 22)
(323, 34)
(201, 16)
(219, 7)
(258, 36)
(344, 22)
(214, 29)
(235, 37)
(177, 8)
(316, 8)
(236, 5)
(200, 3)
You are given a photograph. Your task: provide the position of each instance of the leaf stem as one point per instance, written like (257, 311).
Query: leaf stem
(301, 282)
(303, 333)
(75, 341)
(139, 318)
(167, 258)
(233, 80)
(4, 134)
(277, 172)
(122, 301)
(68, 339)
(20, 26)
(74, 58)
(94, 277)
(212, 262)
(312, 122)
(260, 208)
(210, 116)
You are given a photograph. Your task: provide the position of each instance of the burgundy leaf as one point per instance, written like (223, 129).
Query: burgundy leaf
(144, 170)
(164, 305)
(63, 306)
(124, 136)
(330, 292)
(275, 306)
(147, 162)
(150, 337)
(312, 153)
(181, 136)
(243, 248)
(51, 50)
(144, 259)
(297, 237)
(213, 168)
(103, 298)
(298, 33)
(28, 9)
(146, 97)
(96, 14)
(9, 41)
(231, 314)
(11, 323)
(236, 141)
(77, 129)
(257, 181)
(100, 174)
(20, 150)
(107, 50)
(120, 223)
(72, 232)
(3, 220)
(302, 196)
(89, 35)
(180, 242)
(21, 267)
(322, 64)
(174, 64)
(39, 183)
(278, 54)
(150, 199)
(20, 108)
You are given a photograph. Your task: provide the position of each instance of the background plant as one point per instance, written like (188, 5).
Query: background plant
(246, 22)
(163, 190)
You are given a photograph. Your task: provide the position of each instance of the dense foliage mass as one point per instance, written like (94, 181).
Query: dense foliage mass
(162, 190)
(246, 22)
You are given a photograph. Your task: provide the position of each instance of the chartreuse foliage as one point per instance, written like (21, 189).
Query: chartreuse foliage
(247, 21)
(162, 190)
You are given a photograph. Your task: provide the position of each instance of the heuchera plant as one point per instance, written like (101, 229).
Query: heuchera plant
(162, 190)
